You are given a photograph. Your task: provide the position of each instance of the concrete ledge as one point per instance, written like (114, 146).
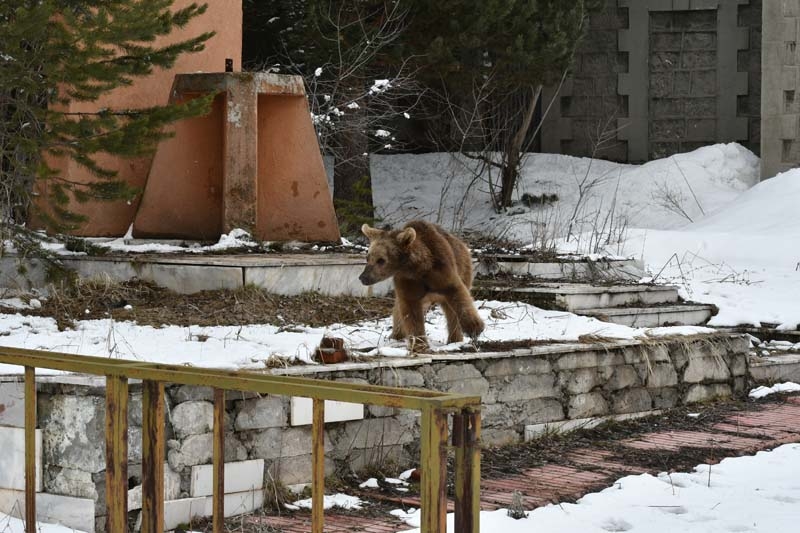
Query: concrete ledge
(565, 426)
(775, 368)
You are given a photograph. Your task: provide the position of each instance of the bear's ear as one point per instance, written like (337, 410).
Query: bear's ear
(406, 237)
(370, 233)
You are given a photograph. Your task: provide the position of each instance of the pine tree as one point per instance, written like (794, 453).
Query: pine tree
(57, 52)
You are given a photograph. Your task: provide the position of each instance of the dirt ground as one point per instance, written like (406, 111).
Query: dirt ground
(148, 304)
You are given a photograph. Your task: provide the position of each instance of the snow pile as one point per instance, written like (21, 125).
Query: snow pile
(336, 500)
(756, 493)
(745, 258)
(761, 392)
(257, 345)
(449, 190)
(236, 239)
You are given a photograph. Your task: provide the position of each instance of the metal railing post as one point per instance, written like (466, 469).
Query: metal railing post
(434, 470)
(435, 407)
(218, 477)
(30, 449)
(466, 436)
(318, 462)
(152, 457)
(116, 454)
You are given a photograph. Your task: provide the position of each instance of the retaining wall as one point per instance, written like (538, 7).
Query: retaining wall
(269, 439)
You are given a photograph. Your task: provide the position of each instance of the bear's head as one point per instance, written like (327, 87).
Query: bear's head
(387, 249)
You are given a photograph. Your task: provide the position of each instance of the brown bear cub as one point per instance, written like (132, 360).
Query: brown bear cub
(429, 266)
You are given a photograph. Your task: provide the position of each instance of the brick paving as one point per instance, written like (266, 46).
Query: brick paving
(583, 470)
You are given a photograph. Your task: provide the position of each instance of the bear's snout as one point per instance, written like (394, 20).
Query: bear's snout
(365, 278)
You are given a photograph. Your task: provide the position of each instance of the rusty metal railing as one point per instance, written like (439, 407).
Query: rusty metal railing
(434, 406)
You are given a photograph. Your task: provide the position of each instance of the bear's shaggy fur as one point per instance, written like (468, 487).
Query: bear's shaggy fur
(429, 266)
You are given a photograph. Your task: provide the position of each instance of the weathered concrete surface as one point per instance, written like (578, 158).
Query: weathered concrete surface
(780, 100)
(262, 172)
(522, 388)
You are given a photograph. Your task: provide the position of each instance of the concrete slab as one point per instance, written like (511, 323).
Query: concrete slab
(12, 458)
(301, 411)
(650, 317)
(75, 513)
(775, 368)
(12, 404)
(183, 511)
(520, 265)
(238, 503)
(331, 280)
(534, 431)
(572, 296)
(240, 476)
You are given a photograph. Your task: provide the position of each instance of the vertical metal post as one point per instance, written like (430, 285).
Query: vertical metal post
(30, 449)
(466, 435)
(318, 462)
(434, 470)
(218, 500)
(116, 454)
(152, 457)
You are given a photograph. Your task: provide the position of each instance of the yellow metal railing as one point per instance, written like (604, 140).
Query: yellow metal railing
(435, 407)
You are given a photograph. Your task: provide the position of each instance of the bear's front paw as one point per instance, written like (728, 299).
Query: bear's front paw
(397, 334)
(472, 325)
(417, 345)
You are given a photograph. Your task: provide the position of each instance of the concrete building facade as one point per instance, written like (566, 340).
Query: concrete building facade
(658, 77)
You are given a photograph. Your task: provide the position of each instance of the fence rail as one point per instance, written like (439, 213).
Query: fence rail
(435, 408)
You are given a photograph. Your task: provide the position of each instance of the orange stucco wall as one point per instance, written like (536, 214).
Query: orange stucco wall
(183, 198)
(293, 198)
(223, 17)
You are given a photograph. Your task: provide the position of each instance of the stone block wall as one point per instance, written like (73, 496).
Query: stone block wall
(268, 440)
(665, 76)
(589, 100)
(749, 61)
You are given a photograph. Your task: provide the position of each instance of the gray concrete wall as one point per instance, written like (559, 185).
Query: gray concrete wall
(749, 61)
(667, 76)
(589, 98)
(780, 86)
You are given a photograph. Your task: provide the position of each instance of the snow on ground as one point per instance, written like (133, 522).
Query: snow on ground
(697, 220)
(745, 258)
(9, 524)
(254, 346)
(443, 188)
(762, 391)
(758, 493)
(336, 500)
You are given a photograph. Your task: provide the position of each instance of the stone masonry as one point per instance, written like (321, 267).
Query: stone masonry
(519, 388)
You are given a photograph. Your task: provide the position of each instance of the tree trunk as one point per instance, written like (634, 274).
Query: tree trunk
(513, 150)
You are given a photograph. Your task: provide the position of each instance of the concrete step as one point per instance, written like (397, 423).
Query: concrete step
(573, 296)
(566, 268)
(775, 368)
(651, 317)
